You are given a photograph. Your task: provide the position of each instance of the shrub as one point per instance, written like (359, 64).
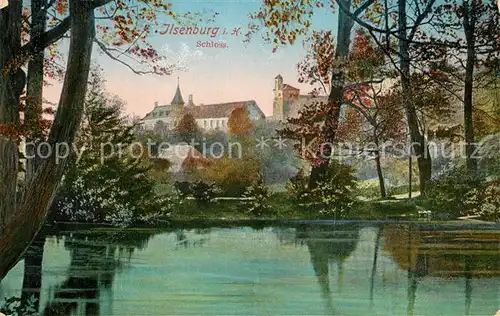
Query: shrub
(108, 202)
(183, 188)
(204, 192)
(332, 196)
(459, 193)
(232, 176)
(297, 188)
(484, 201)
(201, 191)
(455, 192)
(259, 195)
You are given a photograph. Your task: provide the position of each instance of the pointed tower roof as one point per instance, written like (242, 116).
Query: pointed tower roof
(177, 100)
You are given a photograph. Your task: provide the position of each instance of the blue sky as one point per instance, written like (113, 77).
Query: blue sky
(242, 71)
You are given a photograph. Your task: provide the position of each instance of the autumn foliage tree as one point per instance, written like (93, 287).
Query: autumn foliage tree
(284, 22)
(398, 27)
(187, 129)
(366, 117)
(28, 29)
(239, 123)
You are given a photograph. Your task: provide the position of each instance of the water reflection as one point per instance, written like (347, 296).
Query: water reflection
(32, 280)
(95, 258)
(387, 269)
(326, 245)
(429, 252)
(182, 241)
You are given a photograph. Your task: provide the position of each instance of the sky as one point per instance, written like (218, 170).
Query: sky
(242, 71)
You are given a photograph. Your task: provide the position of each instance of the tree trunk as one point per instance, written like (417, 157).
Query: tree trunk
(383, 193)
(336, 97)
(12, 82)
(22, 227)
(34, 89)
(469, 25)
(381, 182)
(418, 146)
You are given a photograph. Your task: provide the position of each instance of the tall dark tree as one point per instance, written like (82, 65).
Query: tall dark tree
(472, 42)
(22, 213)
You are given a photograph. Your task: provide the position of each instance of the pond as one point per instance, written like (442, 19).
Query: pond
(296, 269)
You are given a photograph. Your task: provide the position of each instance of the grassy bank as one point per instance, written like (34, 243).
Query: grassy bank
(282, 208)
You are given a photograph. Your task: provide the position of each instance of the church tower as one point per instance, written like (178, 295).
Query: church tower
(278, 98)
(177, 105)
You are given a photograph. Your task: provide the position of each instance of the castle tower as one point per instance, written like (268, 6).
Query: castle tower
(278, 98)
(177, 105)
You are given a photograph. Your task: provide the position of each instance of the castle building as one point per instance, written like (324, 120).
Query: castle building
(288, 101)
(207, 116)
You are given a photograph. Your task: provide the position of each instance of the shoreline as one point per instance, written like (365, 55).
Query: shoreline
(262, 223)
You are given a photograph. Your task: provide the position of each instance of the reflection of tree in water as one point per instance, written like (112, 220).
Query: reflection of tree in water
(326, 244)
(429, 252)
(32, 281)
(95, 258)
(288, 236)
(183, 241)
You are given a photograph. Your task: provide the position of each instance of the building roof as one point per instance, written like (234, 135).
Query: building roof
(177, 100)
(164, 110)
(289, 87)
(220, 109)
(312, 97)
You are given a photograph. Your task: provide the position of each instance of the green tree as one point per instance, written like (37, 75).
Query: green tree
(109, 182)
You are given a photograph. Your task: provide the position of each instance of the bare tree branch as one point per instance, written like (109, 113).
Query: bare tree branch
(106, 51)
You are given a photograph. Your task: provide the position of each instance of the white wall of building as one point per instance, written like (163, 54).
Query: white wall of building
(206, 124)
(150, 124)
(209, 124)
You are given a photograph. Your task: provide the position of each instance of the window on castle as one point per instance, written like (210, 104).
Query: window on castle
(211, 123)
(205, 123)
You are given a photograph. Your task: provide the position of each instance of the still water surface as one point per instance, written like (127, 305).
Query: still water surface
(342, 269)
